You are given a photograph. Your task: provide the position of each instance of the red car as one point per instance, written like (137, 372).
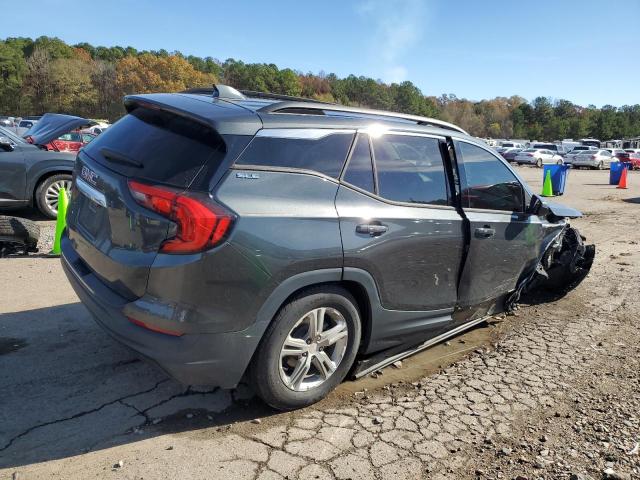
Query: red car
(70, 142)
(633, 160)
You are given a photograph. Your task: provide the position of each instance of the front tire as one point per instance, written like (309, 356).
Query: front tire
(308, 348)
(47, 193)
(601, 165)
(539, 163)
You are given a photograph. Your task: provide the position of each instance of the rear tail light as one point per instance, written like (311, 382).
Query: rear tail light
(529, 154)
(593, 157)
(201, 224)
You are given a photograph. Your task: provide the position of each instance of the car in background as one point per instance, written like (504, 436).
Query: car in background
(619, 153)
(31, 175)
(632, 150)
(6, 121)
(599, 159)
(555, 148)
(537, 157)
(510, 153)
(632, 161)
(24, 126)
(569, 157)
(70, 142)
(511, 145)
(96, 129)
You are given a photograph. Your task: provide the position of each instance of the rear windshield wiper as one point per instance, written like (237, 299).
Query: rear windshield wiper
(118, 157)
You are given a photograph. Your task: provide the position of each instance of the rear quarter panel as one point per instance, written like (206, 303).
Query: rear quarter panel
(286, 225)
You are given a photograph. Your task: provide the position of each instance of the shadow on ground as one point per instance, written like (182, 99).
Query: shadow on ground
(69, 388)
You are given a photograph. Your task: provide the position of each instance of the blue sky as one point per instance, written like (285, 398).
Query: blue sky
(584, 51)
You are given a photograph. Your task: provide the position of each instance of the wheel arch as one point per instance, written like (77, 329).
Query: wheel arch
(42, 176)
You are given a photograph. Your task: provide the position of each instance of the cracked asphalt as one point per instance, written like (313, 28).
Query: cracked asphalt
(551, 392)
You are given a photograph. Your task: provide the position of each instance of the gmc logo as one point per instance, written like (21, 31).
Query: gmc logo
(89, 175)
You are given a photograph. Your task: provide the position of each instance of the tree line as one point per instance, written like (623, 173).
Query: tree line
(48, 75)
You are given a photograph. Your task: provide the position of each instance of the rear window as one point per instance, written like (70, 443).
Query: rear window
(160, 147)
(322, 151)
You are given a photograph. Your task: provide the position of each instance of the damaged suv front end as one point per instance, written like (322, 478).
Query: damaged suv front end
(565, 260)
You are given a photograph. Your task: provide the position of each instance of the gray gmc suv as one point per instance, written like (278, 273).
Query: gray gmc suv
(225, 235)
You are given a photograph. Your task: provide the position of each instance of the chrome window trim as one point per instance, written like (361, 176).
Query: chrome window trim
(302, 133)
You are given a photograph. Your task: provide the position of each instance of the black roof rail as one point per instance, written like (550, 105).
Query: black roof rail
(217, 91)
(316, 108)
(278, 96)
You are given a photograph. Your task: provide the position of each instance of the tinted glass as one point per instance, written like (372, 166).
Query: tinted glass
(324, 155)
(359, 170)
(170, 149)
(487, 183)
(410, 169)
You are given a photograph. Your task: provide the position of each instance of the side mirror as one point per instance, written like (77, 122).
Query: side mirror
(6, 144)
(538, 207)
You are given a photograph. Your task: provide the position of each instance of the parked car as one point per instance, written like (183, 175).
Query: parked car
(31, 175)
(6, 121)
(632, 160)
(555, 148)
(632, 150)
(96, 129)
(569, 157)
(618, 153)
(599, 159)
(511, 145)
(220, 234)
(70, 142)
(537, 157)
(24, 126)
(510, 154)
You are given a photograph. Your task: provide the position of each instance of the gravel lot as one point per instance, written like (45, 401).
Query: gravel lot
(550, 392)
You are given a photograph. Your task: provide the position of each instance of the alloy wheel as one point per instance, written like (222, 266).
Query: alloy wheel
(51, 195)
(313, 349)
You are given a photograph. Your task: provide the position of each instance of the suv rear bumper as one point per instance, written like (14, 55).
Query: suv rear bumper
(216, 359)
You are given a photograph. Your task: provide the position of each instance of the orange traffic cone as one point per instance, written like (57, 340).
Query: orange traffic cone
(623, 179)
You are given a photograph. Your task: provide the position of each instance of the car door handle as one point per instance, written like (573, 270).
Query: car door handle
(485, 232)
(371, 229)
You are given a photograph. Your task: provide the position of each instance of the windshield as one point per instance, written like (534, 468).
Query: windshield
(12, 136)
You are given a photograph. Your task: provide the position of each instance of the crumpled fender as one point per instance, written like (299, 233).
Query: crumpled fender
(563, 263)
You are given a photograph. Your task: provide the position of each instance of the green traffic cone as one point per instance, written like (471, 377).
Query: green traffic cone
(61, 220)
(547, 188)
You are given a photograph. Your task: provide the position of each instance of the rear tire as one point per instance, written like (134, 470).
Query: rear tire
(272, 372)
(46, 193)
(601, 165)
(18, 234)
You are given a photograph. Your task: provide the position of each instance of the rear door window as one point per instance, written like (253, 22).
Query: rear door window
(360, 169)
(319, 150)
(410, 169)
(487, 183)
(160, 147)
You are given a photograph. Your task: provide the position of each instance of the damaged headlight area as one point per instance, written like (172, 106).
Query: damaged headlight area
(563, 265)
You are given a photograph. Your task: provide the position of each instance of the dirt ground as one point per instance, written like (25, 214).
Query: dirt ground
(550, 392)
